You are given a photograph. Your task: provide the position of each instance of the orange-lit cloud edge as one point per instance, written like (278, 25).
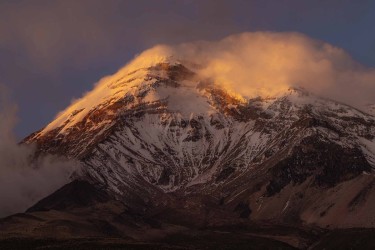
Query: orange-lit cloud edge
(255, 64)
(268, 63)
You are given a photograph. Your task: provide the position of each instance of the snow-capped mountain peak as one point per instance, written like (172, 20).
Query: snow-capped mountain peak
(163, 129)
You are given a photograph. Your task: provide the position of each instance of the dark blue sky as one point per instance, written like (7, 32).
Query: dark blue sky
(53, 51)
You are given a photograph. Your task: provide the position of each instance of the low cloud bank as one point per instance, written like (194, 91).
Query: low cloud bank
(23, 182)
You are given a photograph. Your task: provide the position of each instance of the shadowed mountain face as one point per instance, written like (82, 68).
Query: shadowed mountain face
(74, 195)
(160, 146)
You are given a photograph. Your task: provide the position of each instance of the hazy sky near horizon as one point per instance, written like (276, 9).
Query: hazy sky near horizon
(52, 51)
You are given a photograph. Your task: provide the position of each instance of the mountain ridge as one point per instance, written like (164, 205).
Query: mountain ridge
(171, 148)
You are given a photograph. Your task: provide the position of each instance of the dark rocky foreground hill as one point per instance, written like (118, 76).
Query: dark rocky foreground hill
(72, 219)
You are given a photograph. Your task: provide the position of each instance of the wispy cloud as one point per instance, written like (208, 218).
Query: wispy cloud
(267, 63)
(24, 180)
